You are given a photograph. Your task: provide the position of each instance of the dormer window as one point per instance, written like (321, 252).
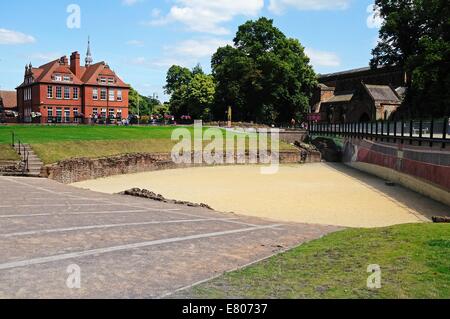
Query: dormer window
(111, 81)
(58, 78)
(103, 80)
(67, 78)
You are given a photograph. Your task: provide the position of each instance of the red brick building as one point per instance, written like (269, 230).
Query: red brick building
(63, 91)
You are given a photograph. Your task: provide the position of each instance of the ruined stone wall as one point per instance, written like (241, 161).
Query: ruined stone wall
(77, 170)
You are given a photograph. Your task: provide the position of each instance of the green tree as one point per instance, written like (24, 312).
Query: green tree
(266, 77)
(200, 95)
(146, 104)
(191, 92)
(416, 35)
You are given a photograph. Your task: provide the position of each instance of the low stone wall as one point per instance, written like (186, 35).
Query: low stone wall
(81, 169)
(424, 170)
(292, 136)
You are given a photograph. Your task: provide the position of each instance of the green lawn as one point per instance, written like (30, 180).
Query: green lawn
(7, 153)
(55, 143)
(47, 134)
(414, 260)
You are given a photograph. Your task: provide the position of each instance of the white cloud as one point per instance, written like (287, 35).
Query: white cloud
(15, 37)
(136, 43)
(130, 2)
(322, 58)
(185, 53)
(279, 6)
(208, 16)
(374, 20)
(45, 56)
(197, 48)
(158, 63)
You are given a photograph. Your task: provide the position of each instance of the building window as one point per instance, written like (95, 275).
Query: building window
(66, 93)
(58, 78)
(76, 115)
(58, 115)
(66, 78)
(103, 94)
(75, 93)
(50, 113)
(27, 94)
(103, 115)
(50, 92)
(119, 114)
(111, 113)
(95, 111)
(103, 80)
(111, 95)
(110, 80)
(67, 115)
(95, 94)
(119, 95)
(58, 92)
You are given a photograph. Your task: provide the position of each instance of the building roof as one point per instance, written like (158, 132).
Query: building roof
(357, 71)
(88, 74)
(340, 98)
(382, 93)
(9, 99)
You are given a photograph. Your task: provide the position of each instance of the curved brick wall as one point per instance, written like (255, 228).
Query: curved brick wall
(428, 165)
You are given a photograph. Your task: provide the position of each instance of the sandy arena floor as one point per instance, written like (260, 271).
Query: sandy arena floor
(317, 193)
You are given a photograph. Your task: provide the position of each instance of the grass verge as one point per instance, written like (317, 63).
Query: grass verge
(7, 153)
(414, 260)
(56, 143)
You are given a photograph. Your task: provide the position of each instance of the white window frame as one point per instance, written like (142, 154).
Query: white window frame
(111, 96)
(58, 78)
(103, 80)
(119, 95)
(103, 94)
(49, 91)
(110, 80)
(66, 78)
(66, 118)
(95, 94)
(60, 90)
(66, 93)
(75, 93)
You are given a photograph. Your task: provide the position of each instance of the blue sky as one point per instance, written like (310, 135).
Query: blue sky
(141, 39)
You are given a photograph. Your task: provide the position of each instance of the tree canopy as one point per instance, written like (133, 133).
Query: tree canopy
(416, 35)
(266, 77)
(147, 105)
(192, 92)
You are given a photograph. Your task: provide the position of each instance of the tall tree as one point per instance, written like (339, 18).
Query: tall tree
(265, 77)
(191, 92)
(416, 35)
(146, 104)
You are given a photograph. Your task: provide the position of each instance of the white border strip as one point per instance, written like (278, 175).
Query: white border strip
(49, 259)
(71, 229)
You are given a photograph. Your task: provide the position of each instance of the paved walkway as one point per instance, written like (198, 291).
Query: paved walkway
(125, 247)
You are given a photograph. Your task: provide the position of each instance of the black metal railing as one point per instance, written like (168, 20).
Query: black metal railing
(420, 132)
(21, 151)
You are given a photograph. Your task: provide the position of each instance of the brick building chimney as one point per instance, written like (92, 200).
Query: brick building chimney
(75, 63)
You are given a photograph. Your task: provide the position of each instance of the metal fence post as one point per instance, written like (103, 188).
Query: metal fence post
(431, 132)
(411, 131)
(403, 131)
(444, 132)
(420, 132)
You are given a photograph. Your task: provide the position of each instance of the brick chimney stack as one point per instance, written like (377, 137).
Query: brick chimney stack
(75, 63)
